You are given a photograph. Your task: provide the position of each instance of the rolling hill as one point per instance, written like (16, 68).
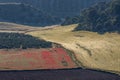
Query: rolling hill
(92, 50)
(25, 14)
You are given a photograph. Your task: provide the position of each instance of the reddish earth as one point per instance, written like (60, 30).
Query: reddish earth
(54, 58)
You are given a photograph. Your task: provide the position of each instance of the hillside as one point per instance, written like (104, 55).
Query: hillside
(59, 8)
(25, 14)
(102, 17)
(92, 50)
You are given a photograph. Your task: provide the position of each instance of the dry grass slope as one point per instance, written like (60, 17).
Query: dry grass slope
(15, 28)
(95, 51)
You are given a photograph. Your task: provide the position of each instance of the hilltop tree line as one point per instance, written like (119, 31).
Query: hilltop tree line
(19, 40)
(102, 17)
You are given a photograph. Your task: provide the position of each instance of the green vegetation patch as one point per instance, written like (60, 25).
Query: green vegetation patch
(102, 17)
(20, 40)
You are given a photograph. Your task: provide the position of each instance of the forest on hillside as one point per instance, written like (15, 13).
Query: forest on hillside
(102, 17)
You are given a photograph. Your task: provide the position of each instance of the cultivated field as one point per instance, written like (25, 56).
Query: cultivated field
(95, 51)
(32, 59)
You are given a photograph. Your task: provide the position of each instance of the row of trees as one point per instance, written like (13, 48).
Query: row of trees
(19, 40)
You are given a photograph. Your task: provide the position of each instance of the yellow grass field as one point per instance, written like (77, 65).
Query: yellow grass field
(94, 51)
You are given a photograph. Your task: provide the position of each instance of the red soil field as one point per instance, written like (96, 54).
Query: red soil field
(29, 59)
